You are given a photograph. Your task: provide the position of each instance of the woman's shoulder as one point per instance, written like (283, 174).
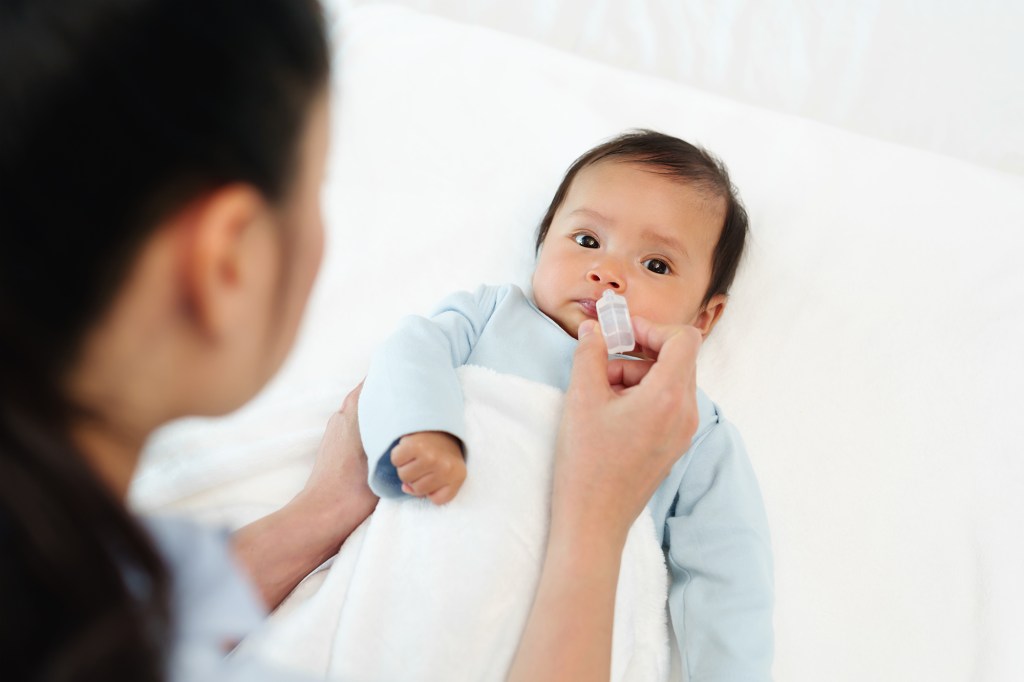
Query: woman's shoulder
(213, 605)
(212, 601)
(209, 592)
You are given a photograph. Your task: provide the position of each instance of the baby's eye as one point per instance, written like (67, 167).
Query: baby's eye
(657, 266)
(586, 241)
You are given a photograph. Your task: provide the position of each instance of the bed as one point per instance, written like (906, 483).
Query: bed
(870, 354)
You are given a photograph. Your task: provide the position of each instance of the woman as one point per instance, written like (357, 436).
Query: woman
(160, 163)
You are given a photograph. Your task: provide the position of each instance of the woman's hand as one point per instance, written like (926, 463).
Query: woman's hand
(282, 548)
(625, 425)
(338, 483)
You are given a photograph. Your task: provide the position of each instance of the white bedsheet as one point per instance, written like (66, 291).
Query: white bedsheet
(871, 352)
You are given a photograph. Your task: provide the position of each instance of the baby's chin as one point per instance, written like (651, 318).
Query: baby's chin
(569, 324)
(570, 328)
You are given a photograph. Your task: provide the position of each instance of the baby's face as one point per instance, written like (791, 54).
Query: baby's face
(644, 235)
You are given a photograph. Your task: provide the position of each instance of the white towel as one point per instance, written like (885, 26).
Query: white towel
(421, 592)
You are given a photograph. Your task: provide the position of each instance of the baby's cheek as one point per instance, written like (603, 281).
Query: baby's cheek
(542, 295)
(540, 285)
(640, 308)
(669, 312)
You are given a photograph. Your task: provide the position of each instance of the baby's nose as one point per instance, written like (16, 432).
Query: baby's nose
(605, 277)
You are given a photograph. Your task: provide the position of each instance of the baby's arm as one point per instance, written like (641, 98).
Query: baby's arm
(412, 387)
(719, 554)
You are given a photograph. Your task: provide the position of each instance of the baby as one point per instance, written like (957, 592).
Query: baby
(656, 220)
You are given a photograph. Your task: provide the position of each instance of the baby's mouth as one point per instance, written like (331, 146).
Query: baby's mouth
(589, 307)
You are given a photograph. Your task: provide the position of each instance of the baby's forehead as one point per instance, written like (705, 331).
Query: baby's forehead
(627, 169)
(598, 184)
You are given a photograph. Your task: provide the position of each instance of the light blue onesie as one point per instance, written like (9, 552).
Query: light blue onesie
(708, 512)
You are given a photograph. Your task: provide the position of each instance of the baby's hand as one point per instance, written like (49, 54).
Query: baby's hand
(430, 464)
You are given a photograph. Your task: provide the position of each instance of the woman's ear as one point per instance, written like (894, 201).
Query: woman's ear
(222, 255)
(710, 314)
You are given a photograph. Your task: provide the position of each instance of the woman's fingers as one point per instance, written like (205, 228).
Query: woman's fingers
(341, 450)
(590, 362)
(625, 373)
(339, 477)
(652, 336)
(677, 356)
(671, 349)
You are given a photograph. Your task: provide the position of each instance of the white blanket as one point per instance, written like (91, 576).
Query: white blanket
(421, 592)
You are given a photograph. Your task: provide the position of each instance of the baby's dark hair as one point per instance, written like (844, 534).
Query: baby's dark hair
(691, 165)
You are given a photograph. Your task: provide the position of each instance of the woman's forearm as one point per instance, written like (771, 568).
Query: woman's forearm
(282, 548)
(568, 634)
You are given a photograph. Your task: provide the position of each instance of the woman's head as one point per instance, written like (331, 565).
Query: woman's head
(650, 216)
(159, 172)
(115, 115)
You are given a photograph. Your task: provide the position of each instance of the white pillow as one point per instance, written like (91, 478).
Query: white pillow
(871, 353)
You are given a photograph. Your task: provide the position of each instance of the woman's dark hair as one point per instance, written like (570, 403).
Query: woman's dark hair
(689, 164)
(113, 115)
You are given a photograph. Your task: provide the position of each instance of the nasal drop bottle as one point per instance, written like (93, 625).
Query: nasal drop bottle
(613, 314)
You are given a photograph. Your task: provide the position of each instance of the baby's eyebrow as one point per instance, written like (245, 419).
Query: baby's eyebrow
(592, 213)
(665, 241)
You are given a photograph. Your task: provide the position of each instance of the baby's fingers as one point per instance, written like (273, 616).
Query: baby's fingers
(428, 483)
(415, 470)
(445, 494)
(437, 484)
(402, 454)
(409, 490)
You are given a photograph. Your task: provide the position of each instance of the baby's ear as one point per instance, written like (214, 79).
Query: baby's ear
(708, 317)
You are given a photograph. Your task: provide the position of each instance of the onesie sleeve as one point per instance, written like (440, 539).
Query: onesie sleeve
(719, 556)
(412, 383)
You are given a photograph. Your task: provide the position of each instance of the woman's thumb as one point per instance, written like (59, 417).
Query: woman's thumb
(590, 364)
